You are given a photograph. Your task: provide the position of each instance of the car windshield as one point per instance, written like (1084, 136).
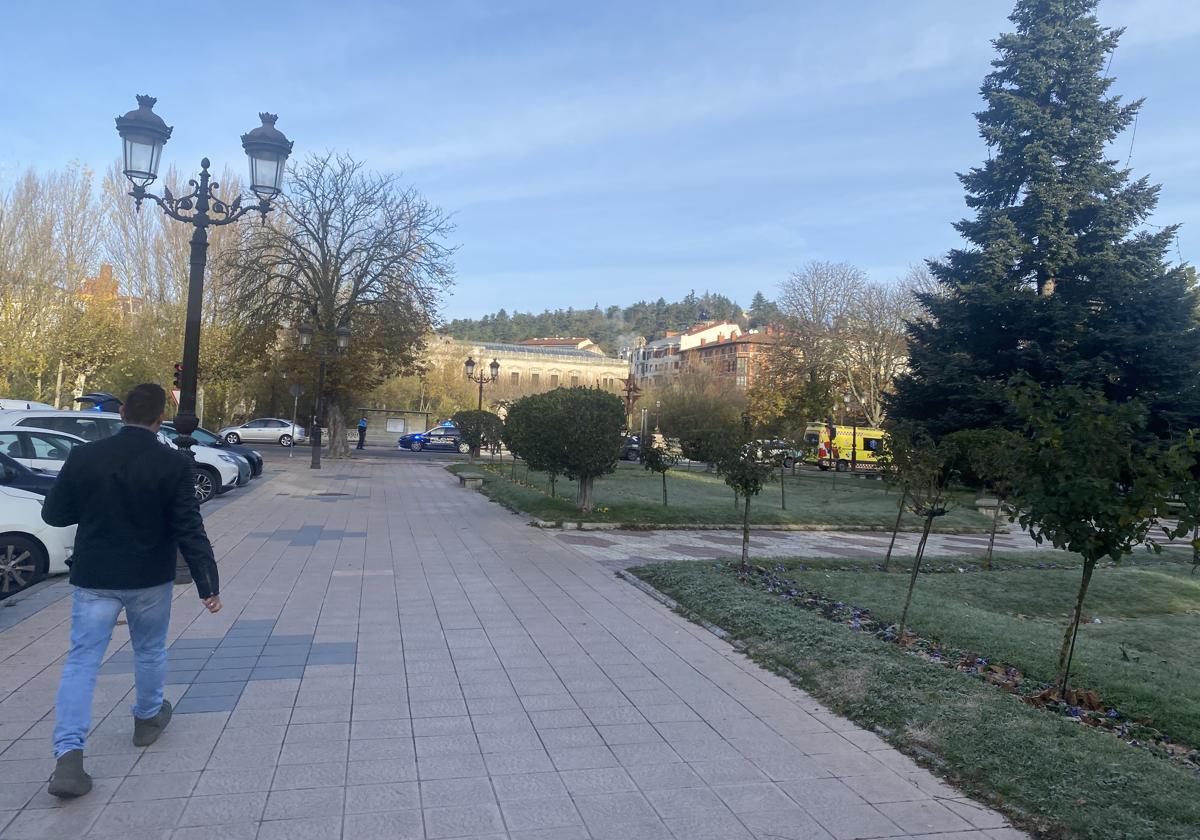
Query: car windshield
(205, 436)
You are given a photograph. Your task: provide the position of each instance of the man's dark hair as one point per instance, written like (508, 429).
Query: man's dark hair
(145, 404)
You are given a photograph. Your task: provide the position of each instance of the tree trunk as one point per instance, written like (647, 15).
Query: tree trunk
(585, 493)
(746, 536)
(912, 578)
(987, 558)
(1067, 652)
(1195, 549)
(895, 529)
(664, 478)
(339, 447)
(782, 487)
(553, 486)
(58, 383)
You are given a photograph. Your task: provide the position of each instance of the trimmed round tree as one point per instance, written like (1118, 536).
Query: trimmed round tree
(479, 429)
(589, 428)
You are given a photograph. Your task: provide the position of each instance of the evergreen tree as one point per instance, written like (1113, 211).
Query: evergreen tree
(763, 312)
(1060, 281)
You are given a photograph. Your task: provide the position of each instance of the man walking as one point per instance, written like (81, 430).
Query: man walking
(362, 433)
(135, 503)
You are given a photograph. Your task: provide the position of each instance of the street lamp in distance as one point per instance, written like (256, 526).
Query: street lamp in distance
(307, 332)
(481, 378)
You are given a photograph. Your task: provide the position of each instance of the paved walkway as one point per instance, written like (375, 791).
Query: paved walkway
(399, 658)
(621, 549)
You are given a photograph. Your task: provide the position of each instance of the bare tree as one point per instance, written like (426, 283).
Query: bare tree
(873, 344)
(817, 302)
(346, 248)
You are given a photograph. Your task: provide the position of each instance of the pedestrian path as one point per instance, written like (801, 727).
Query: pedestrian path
(399, 658)
(621, 549)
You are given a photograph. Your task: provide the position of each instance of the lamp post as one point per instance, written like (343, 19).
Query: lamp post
(481, 378)
(323, 354)
(143, 135)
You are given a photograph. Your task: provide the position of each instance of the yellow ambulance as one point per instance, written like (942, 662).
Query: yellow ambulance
(844, 447)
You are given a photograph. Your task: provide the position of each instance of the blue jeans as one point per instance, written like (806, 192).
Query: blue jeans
(93, 616)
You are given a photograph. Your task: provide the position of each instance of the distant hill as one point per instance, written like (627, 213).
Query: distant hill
(611, 328)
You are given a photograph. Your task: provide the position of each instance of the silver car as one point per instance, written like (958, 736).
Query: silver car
(264, 430)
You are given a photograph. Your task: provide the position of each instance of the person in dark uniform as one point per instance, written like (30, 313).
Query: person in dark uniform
(362, 433)
(134, 502)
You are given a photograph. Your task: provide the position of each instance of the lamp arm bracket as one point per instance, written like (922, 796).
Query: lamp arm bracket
(186, 208)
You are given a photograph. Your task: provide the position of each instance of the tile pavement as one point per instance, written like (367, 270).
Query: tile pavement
(408, 660)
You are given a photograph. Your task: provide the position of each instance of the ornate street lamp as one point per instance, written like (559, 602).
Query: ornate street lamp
(341, 345)
(143, 135)
(482, 378)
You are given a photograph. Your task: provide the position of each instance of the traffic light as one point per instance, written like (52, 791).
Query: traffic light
(178, 376)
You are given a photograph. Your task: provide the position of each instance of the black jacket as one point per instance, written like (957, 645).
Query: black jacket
(134, 501)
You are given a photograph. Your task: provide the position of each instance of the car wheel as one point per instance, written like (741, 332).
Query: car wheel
(233, 438)
(787, 463)
(285, 440)
(207, 483)
(22, 563)
(842, 466)
(415, 446)
(464, 448)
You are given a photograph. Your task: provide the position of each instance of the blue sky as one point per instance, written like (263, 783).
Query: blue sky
(598, 152)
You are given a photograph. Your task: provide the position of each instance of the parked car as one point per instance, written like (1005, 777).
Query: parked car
(15, 405)
(15, 474)
(89, 425)
(264, 430)
(210, 439)
(631, 449)
(444, 438)
(39, 449)
(216, 471)
(29, 548)
(213, 476)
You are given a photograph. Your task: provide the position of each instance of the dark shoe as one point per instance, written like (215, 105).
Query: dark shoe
(69, 780)
(146, 732)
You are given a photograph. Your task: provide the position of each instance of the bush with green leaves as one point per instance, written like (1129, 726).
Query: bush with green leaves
(576, 432)
(746, 468)
(658, 458)
(1093, 481)
(479, 429)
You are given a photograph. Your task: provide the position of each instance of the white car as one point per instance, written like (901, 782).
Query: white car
(264, 430)
(12, 405)
(216, 471)
(38, 449)
(29, 548)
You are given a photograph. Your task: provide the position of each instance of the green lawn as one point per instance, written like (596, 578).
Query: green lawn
(1060, 777)
(633, 496)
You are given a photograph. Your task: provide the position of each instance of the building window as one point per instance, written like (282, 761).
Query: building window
(554, 380)
(533, 379)
(515, 379)
(574, 380)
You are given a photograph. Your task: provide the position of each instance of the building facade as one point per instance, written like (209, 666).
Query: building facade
(529, 368)
(658, 363)
(735, 361)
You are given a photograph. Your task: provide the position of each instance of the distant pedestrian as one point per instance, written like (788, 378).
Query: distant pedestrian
(362, 433)
(134, 501)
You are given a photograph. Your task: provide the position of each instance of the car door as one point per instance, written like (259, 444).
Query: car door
(436, 439)
(254, 430)
(46, 450)
(13, 446)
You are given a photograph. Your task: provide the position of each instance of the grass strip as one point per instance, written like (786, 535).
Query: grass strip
(1050, 774)
(632, 496)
